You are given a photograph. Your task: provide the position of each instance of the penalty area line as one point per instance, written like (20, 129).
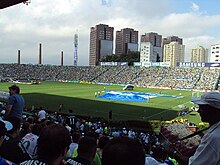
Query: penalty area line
(157, 114)
(165, 111)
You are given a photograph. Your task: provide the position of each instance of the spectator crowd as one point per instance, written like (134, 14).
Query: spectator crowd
(169, 77)
(57, 139)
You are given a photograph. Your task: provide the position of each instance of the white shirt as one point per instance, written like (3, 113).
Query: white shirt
(68, 128)
(72, 147)
(42, 114)
(152, 161)
(29, 141)
(208, 152)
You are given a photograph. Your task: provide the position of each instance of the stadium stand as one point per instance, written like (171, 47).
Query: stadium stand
(162, 77)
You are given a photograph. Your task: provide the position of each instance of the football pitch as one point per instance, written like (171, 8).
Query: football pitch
(80, 98)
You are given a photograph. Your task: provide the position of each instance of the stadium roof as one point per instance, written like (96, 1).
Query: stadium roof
(8, 3)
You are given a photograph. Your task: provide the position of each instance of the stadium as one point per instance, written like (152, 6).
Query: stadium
(159, 93)
(142, 107)
(159, 101)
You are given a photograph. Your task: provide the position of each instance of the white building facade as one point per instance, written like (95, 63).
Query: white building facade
(146, 51)
(215, 53)
(149, 53)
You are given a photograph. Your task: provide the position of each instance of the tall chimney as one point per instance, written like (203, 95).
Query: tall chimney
(61, 58)
(19, 56)
(40, 55)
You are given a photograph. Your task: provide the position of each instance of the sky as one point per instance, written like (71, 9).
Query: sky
(53, 23)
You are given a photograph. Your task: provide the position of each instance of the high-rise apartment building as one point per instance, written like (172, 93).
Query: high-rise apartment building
(199, 54)
(170, 39)
(154, 38)
(126, 40)
(151, 50)
(215, 53)
(173, 53)
(101, 43)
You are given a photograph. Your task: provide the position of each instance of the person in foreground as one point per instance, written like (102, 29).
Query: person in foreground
(11, 148)
(53, 144)
(208, 152)
(4, 127)
(123, 150)
(86, 152)
(15, 104)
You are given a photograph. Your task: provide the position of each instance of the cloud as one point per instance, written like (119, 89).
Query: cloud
(195, 7)
(54, 23)
(186, 24)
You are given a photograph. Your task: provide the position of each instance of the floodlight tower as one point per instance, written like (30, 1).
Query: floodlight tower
(75, 49)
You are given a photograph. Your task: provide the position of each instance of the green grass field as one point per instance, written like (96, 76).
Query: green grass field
(80, 98)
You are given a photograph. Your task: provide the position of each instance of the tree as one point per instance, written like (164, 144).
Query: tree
(130, 57)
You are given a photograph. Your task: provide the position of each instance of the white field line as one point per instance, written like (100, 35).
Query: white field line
(165, 111)
(181, 104)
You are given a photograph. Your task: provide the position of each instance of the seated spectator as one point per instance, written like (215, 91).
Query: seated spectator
(53, 144)
(41, 114)
(123, 150)
(160, 155)
(96, 160)
(86, 152)
(29, 141)
(30, 120)
(4, 127)
(12, 148)
(75, 140)
(101, 144)
(25, 129)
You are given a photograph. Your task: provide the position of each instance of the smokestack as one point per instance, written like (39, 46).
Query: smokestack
(19, 56)
(61, 58)
(40, 55)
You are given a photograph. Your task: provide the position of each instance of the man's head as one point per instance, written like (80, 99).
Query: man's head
(53, 143)
(4, 127)
(14, 89)
(87, 148)
(209, 107)
(103, 141)
(123, 150)
(75, 137)
(16, 123)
